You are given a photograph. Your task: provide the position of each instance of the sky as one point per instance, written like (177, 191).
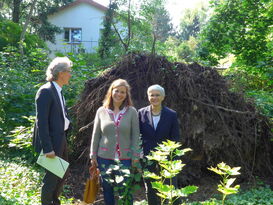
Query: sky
(175, 7)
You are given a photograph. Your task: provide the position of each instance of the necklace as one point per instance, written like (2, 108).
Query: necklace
(156, 113)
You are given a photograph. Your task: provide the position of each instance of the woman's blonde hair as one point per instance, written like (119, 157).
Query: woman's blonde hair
(108, 100)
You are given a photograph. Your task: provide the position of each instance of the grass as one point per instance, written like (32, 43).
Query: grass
(20, 180)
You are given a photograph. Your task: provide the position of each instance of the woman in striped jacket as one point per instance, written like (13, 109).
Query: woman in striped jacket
(115, 136)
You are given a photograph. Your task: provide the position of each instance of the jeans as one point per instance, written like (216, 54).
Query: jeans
(109, 184)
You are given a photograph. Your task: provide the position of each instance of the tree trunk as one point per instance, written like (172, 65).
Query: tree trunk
(154, 41)
(22, 37)
(129, 24)
(16, 11)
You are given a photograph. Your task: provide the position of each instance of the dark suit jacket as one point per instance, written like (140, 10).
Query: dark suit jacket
(167, 128)
(49, 133)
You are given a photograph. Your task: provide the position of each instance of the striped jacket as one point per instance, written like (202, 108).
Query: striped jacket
(120, 138)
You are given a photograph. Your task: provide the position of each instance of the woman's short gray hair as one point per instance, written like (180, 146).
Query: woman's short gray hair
(157, 88)
(58, 64)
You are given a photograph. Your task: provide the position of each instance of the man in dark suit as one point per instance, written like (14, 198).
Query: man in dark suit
(51, 124)
(157, 123)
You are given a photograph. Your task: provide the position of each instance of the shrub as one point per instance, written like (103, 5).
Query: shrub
(10, 35)
(19, 78)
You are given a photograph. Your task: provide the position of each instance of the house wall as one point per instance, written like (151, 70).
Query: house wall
(82, 16)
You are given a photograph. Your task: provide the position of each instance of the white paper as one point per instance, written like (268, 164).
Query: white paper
(56, 165)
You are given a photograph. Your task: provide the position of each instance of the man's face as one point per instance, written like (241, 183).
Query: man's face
(65, 76)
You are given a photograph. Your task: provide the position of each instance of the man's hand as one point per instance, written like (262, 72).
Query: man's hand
(50, 154)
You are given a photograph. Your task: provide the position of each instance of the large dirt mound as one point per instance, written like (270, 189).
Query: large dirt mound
(219, 125)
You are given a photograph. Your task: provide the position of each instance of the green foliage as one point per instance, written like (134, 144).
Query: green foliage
(141, 26)
(20, 181)
(155, 13)
(183, 47)
(225, 172)
(39, 24)
(191, 22)
(82, 70)
(19, 76)
(20, 137)
(108, 38)
(19, 184)
(183, 51)
(264, 102)
(47, 31)
(261, 195)
(20, 140)
(10, 35)
(242, 28)
(165, 155)
(125, 182)
(254, 84)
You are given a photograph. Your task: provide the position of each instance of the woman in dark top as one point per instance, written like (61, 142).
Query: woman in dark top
(157, 124)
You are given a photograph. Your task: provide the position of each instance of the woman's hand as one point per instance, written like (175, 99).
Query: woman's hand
(94, 162)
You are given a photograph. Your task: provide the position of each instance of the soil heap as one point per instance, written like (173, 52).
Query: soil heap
(218, 124)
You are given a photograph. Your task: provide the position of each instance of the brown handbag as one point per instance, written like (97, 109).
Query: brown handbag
(92, 185)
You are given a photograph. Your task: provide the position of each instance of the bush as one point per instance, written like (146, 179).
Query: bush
(10, 36)
(19, 78)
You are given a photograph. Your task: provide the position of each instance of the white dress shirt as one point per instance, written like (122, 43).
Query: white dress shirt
(62, 100)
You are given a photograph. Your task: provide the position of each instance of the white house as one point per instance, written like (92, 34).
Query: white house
(81, 22)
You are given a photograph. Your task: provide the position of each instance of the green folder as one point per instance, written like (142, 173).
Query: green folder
(56, 165)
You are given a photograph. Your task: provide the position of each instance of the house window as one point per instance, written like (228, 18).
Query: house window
(73, 35)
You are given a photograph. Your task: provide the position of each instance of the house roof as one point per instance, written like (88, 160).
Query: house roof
(90, 2)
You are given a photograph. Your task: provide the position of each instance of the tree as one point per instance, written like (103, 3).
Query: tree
(123, 23)
(10, 36)
(183, 46)
(16, 11)
(192, 22)
(182, 51)
(23, 33)
(162, 24)
(39, 21)
(242, 28)
(138, 27)
(107, 38)
(158, 19)
(20, 11)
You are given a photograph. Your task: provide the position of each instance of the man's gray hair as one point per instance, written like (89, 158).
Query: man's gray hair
(157, 88)
(58, 64)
